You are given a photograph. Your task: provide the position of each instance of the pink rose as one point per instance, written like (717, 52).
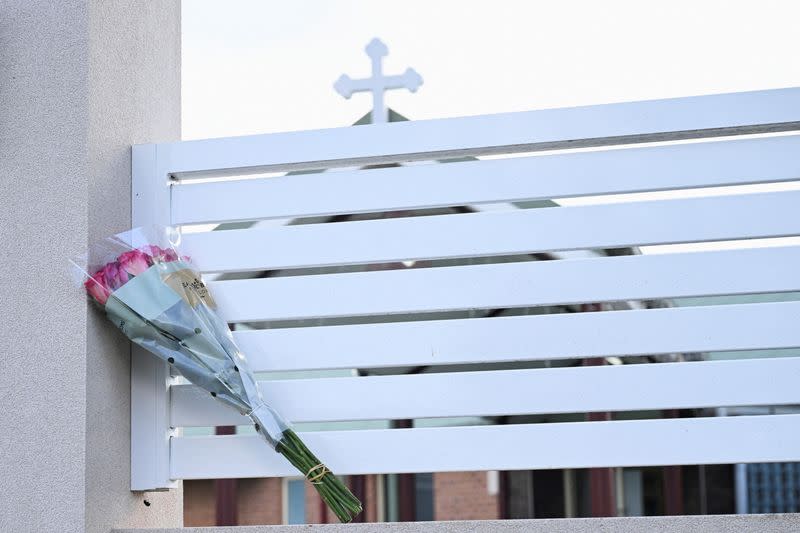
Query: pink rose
(160, 255)
(96, 288)
(134, 262)
(114, 276)
(152, 251)
(170, 255)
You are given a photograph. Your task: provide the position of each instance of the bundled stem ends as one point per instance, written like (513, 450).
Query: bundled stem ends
(332, 491)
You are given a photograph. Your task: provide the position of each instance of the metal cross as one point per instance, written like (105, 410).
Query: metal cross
(378, 83)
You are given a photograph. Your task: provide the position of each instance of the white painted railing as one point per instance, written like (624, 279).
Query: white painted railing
(167, 190)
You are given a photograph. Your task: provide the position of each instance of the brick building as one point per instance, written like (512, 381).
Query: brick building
(440, 496)
(470, 496)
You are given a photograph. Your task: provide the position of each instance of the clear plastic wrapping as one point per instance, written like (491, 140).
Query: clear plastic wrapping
(159, 301)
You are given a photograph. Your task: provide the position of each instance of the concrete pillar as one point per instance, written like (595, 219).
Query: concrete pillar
(82, 80)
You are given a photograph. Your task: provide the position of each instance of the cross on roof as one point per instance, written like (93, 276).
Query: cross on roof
(378, 83)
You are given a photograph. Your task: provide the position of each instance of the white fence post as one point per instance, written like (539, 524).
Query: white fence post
(150, 377)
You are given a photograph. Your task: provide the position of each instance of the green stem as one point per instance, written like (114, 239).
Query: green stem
(330, 488)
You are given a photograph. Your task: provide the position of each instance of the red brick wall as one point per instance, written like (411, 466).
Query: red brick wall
(371, 505)
(463, 496)
(199, 503)
(260, 501)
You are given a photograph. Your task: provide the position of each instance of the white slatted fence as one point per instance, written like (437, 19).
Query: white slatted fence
(474, 264)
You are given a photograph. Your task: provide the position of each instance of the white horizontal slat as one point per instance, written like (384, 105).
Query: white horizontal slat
(729, 162)
(757, 326)
(679, 441)
(500, 233)
(510, 392)
(511, 285)
(733, 113)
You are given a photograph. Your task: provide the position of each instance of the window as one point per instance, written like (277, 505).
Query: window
(423, 485)
(294, 507)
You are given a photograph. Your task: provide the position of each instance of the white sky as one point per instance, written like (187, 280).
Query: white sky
(258, 66)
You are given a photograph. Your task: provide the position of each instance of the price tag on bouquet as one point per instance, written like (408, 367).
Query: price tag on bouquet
(188, 284)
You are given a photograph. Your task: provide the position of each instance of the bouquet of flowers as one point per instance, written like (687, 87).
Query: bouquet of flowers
(155, 297)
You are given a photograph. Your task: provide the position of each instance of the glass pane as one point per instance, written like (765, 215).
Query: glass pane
(296, 505)
(424, 497)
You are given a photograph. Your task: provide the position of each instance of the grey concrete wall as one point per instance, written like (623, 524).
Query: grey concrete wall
(80, 81)
(661, 524)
